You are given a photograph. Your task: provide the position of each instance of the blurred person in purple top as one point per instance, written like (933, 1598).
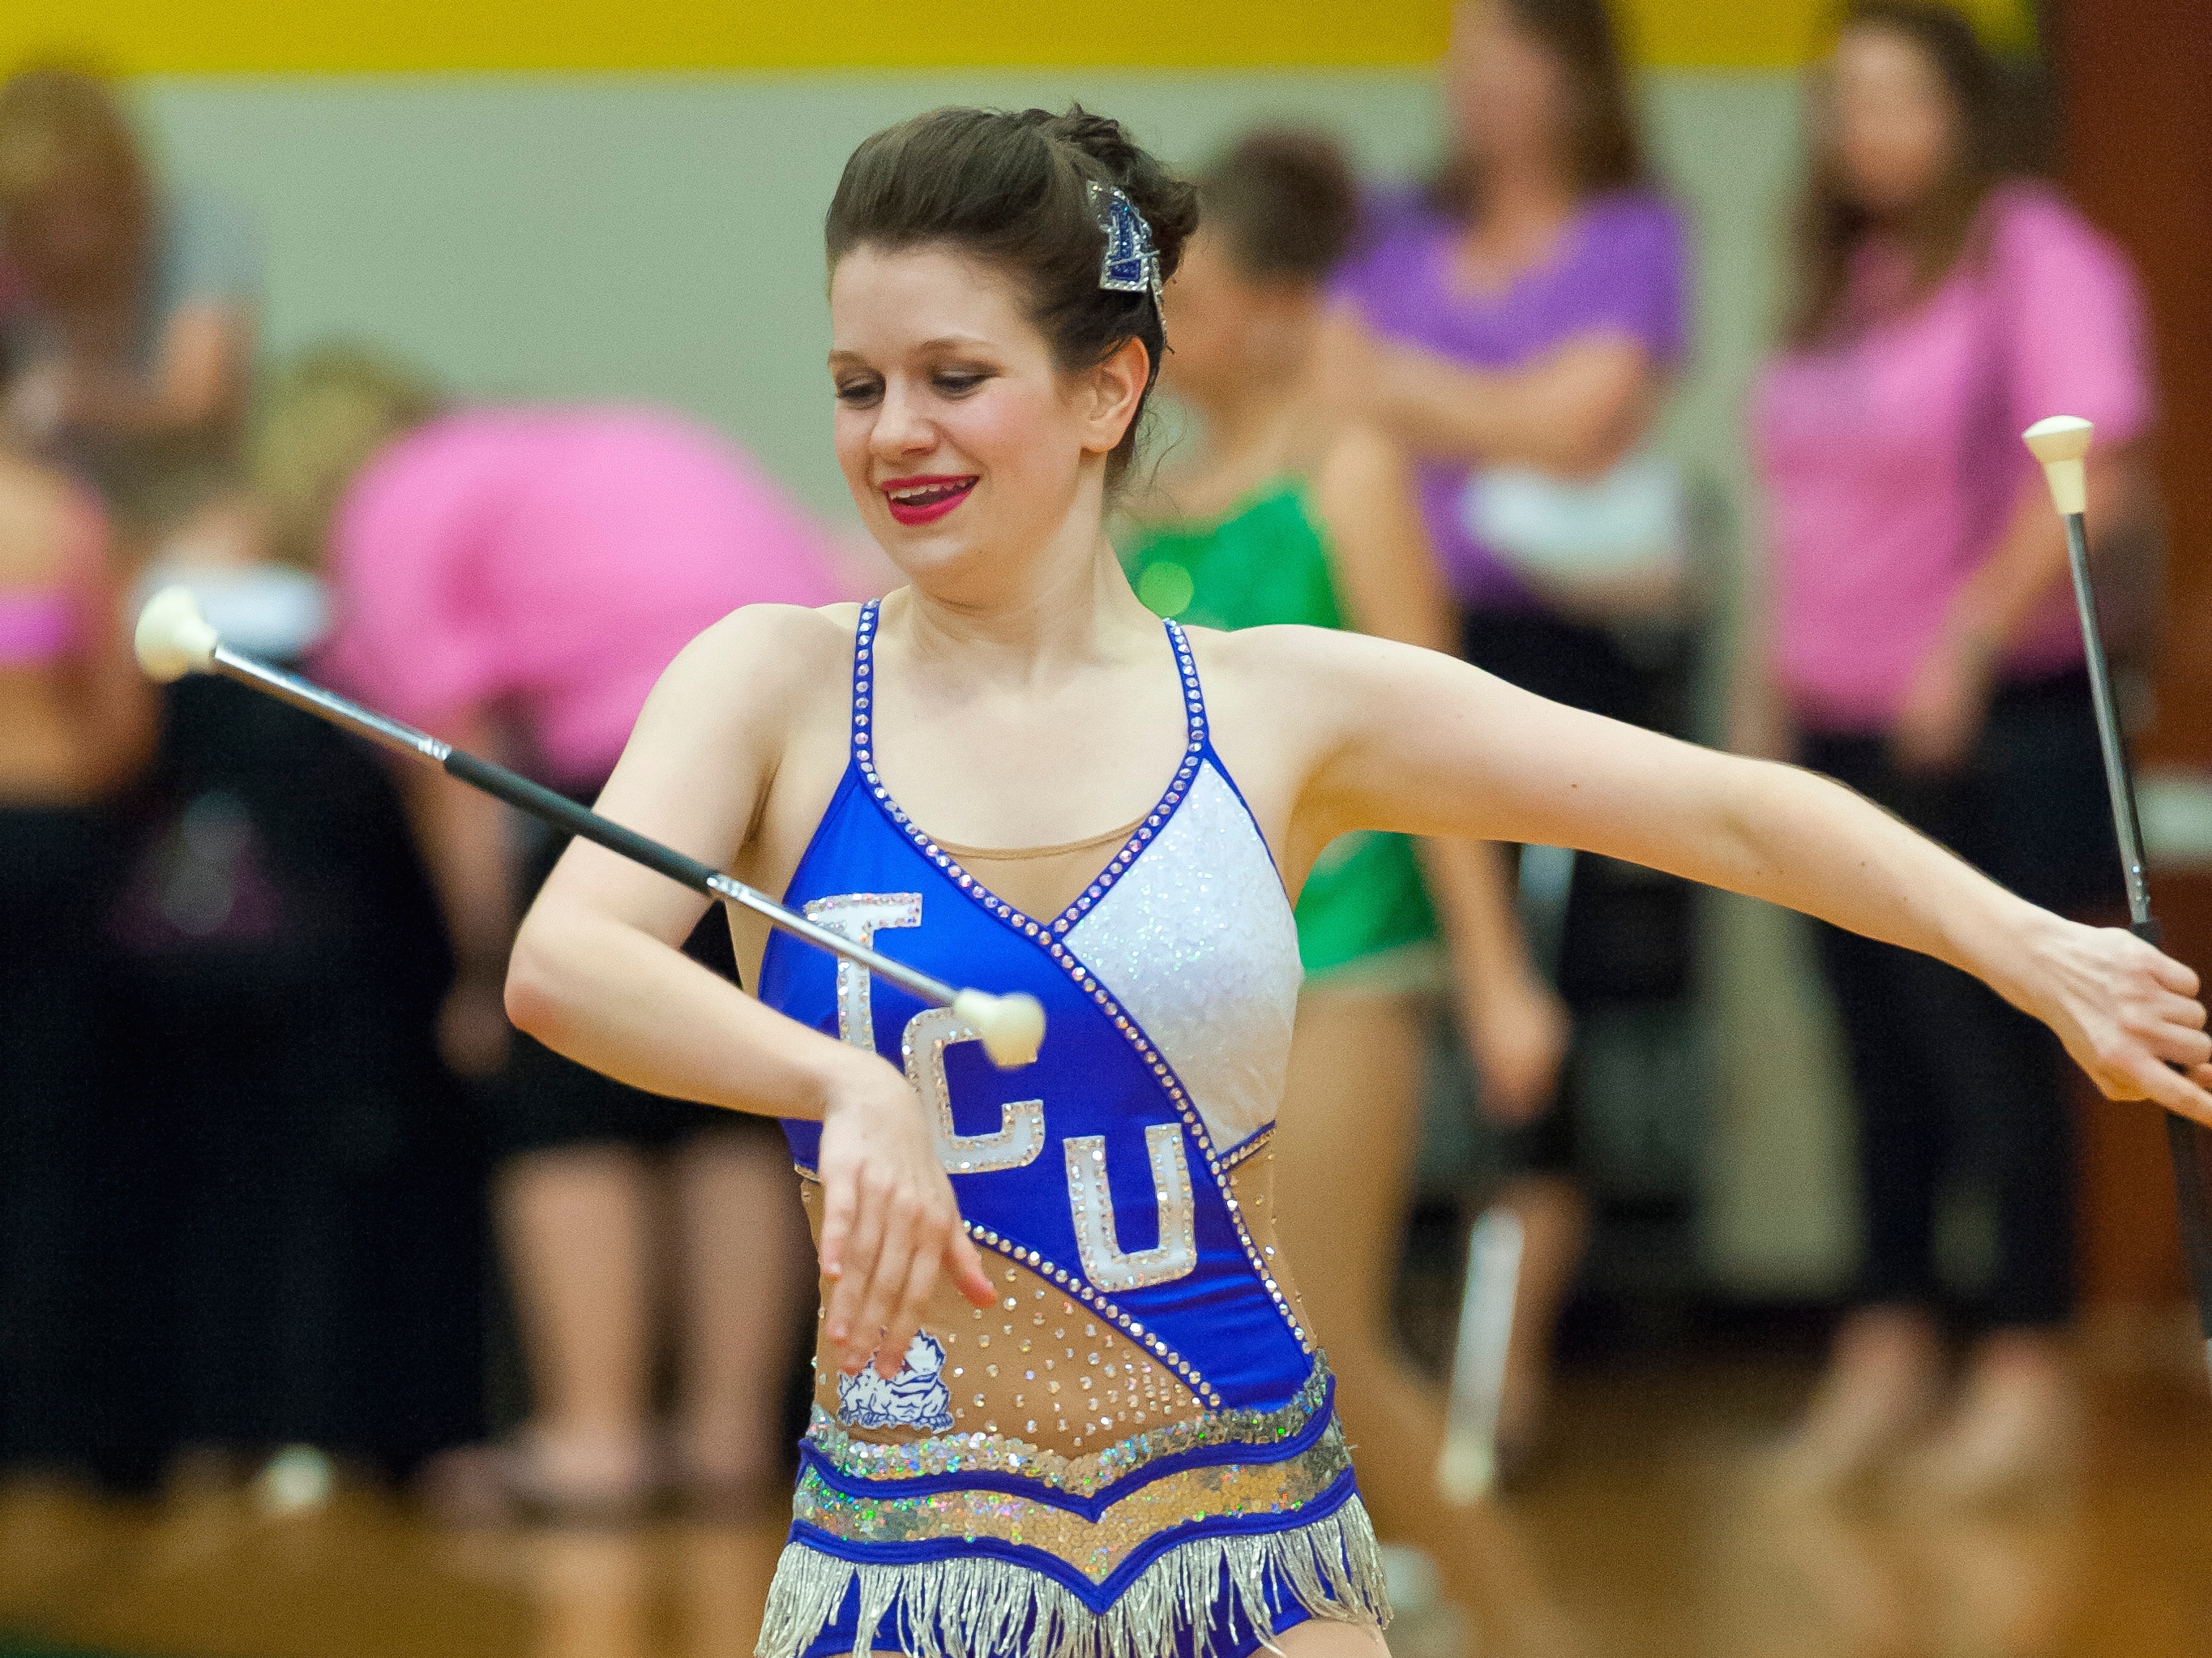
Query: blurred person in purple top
(1514, 325)
(1528, 305)
(1917, 641)
(515, 579)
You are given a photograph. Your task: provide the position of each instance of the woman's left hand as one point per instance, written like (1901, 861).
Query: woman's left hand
(1516, 1034)
(2127, 1012)
(1945, 702)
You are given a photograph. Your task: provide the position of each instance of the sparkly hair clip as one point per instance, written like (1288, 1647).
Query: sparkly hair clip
(1131, 263)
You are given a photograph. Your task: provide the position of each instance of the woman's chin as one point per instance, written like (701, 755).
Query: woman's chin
(925, 552)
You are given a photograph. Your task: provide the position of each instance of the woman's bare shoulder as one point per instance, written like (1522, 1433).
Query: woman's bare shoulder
(1292, 655)
(761, 670)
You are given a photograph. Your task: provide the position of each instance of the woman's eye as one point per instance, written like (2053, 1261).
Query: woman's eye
(953, 383)
(858, 394)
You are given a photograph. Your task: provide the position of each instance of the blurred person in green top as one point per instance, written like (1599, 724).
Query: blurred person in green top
(1282, 514)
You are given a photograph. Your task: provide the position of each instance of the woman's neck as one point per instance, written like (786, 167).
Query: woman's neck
(1025, 623)
(1525, 205)
(1257, 431)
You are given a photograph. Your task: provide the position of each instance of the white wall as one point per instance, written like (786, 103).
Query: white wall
(660, 237)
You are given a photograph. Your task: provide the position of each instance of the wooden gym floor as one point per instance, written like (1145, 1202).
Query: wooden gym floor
(1644, 1535)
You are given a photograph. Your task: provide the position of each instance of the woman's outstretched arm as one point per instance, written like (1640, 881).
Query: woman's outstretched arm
(599, 974)
(1413, 741)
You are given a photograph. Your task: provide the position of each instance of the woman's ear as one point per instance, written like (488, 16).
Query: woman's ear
(1111, 395)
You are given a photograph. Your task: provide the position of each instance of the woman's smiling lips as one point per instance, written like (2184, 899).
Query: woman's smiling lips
(920, 500)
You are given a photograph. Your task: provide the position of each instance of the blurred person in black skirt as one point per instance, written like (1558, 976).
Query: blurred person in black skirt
(296, 1249)
(74, 720)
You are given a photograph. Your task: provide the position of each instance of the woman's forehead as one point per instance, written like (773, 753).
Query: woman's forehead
(912, 295)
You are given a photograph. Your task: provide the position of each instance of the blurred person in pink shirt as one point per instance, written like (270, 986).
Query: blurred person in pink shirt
(1917, 642)
(515, 579)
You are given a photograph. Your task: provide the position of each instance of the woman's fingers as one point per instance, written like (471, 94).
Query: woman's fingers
(2181, 1045)
(965, 1263)
(906, 1317)
(848, 1327)
(872, 1336)
(2178, 1010)
(2175, 1092)
(2177, 976)
(840, 1203)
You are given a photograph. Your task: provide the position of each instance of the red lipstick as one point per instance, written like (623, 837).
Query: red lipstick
(924, 500)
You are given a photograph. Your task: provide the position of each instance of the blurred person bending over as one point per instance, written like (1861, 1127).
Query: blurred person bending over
(74, 724)
(1919, 644)
(1513, 327)
(515, 579)
(1286, 515)
(127, 309)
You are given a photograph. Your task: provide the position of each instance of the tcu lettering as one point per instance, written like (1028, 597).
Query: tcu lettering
(1019, 1138)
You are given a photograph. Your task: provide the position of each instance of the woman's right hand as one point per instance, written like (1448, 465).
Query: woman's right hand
(889, 1222)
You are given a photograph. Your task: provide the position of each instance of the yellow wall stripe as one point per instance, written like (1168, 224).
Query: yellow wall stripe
(189, 37)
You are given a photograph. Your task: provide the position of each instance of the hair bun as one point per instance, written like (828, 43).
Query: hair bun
(1170, 205)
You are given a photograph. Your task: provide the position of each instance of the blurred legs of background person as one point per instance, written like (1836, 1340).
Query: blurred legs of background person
(634, 1228)
(50, 1080)
(1622, 946)
(1342, 1153)
(1957, 1092)
(587, 1231)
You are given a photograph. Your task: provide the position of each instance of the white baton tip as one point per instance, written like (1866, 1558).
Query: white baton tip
(1009, 1028)
(2060, 437)
(2062, 443)
(172, 637)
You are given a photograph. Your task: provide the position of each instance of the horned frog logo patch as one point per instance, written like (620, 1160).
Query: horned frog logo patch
(916, 1397)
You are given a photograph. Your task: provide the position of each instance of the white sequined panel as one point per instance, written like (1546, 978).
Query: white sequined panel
(1020, 1133)
(1099, 1233)
(1196, 941)
(857, 916)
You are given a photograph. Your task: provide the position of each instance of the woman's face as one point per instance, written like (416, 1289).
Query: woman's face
(1225, 331)
(1892, 126)
(1507, 90)
(957, 434)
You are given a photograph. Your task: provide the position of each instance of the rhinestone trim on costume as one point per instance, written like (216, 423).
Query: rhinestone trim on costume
(1019, 1138)
(1243, 1152)
(1097, 1236)
(1047, 938)
(1080, 1476)
(859, 916)
(1096, 1547)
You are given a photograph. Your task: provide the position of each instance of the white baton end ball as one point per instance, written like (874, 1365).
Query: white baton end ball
(1011, 1028)
(173, 638)
(2062, 444)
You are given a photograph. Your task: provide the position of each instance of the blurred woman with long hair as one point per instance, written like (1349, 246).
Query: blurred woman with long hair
(1516, 325)
(1917, 642)
(127, 307)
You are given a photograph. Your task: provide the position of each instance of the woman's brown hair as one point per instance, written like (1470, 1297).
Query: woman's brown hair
(1832, 226)
(1603, 150)
(1285, 202)
(1015, 190)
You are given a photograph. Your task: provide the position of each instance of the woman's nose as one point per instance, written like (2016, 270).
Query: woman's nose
(901, 426)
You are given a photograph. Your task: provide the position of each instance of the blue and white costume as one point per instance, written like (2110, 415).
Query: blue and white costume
(1135, 1451)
